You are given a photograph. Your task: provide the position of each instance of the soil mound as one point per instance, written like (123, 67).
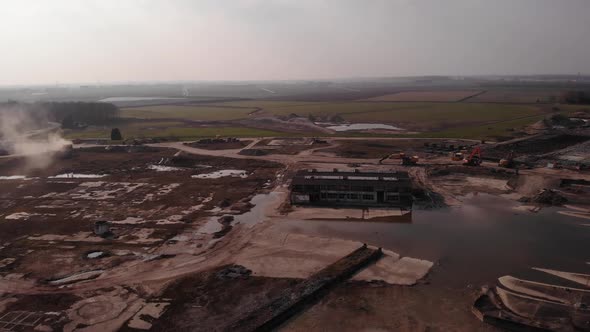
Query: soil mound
(253, 152)
(547, 197)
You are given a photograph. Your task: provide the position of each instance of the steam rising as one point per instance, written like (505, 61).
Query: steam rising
(29, 134)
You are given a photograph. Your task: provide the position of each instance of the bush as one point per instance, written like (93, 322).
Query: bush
(116, 135)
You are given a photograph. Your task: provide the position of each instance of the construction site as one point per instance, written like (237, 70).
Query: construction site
(201, 236)
(295, 166)
(368, 210)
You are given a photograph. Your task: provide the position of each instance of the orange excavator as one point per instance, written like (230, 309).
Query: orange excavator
(474, 158)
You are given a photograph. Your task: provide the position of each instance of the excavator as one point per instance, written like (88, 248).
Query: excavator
(474, 158)
(507, 162)
(406, 160)
(457, 156)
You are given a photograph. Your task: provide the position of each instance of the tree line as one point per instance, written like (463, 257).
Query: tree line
(69, 114)
(575, 97)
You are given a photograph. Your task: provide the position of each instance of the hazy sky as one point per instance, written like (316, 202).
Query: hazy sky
(133, 40)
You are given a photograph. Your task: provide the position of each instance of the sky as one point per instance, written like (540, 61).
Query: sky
(68, 41)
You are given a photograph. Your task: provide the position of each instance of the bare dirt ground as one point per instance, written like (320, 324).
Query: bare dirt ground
(47, 223)
(222, 146)
(381, 148)
(288, 146)
(179, 214)
(379, 307)
(206, 302)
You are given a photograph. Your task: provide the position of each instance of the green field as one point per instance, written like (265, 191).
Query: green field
(440, 116)
(177, 130)
(418, 116)
(204, 113)
(430, 119)
(265, 104)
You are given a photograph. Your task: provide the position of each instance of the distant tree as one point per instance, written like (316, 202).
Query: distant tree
(311, 117)
(575, 97)
(68, 122)
(116, 135)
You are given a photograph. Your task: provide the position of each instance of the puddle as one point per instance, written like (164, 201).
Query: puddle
(115, 99)
(77, 277)
(110, 190)
(78, 176)
(173, 219)
(362, 126)
(21, 216)
(129, 221)
(95, 254)
(14, 177)
(257, 214)
(166, 189)
(211, 226)
(475, 243)
(162, 168)
(261, 203)
(223, 173)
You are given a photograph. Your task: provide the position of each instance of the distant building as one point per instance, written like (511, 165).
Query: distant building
(353, 189)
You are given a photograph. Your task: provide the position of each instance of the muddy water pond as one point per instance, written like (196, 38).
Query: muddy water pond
(362, 126)
(473, 244)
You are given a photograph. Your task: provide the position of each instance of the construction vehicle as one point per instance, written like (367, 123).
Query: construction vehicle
(507, 162)
(408, 160)
(457, 156)
(474, 158)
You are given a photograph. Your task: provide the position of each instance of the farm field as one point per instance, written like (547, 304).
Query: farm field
(265, 103)
(396, 111)
(484, 131)
(420, 116)
(441, 96)
(204, 113)
(433, 117)
(175, 130)
(517, 96)
(255, 118)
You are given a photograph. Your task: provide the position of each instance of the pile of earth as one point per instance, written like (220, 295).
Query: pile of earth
(234, 272)
(253, 152)
(545, 196)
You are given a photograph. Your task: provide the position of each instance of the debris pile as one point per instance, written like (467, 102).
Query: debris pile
(547, 197)
(234, 272)
(253, 152)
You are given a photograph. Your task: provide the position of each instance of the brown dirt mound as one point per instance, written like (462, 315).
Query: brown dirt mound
(547, 197)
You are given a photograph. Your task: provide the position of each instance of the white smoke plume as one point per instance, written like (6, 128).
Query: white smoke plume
(31, 135)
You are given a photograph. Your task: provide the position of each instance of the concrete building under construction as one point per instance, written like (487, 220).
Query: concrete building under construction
(352, 189)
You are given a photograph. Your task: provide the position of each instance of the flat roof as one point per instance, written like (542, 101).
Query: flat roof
(396, 174)
(323, 177)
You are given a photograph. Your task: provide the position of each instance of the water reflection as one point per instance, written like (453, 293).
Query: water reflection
(475, 243)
